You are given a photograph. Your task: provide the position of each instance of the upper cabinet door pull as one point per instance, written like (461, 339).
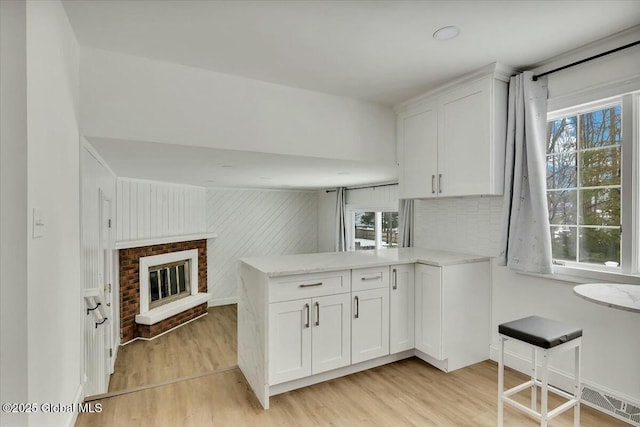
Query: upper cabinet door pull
(311, 284)
(433, 184)
(439, 183)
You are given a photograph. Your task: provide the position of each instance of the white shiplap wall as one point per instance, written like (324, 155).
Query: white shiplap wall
(147, 209)
(255, 223)
(463, 224)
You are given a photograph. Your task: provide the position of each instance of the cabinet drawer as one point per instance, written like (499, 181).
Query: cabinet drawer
(309, 285)
(370, 278)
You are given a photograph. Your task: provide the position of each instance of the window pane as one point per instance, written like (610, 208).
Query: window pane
(164, 283)
(562, 171)
(563, 207)
(182, 278)
(563, 243)
(600, 167)
(153, 286)
(600, 128)
(365, 233)
(561, 135)
(389, 229)
(599, 245)
(173, 285)
(600, 207)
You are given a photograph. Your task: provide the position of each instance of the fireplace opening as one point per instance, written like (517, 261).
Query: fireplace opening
(169, 282)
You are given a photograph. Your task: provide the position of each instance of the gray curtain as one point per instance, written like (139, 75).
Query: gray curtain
(526, 242)
(405, 223)
(341, 225)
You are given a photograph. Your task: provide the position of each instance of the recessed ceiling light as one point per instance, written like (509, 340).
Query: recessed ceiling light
(266, 178)
(227, 166)
(446, 33)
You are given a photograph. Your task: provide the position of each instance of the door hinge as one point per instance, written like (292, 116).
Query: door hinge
(110, 352)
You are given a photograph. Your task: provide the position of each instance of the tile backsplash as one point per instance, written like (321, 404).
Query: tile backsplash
(461, 224)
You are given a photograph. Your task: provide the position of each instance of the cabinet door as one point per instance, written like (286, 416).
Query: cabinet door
(418, 153)
(370, 324)
(401, 308)
(465, 151)
(330, 332)
(429, 310)
(289, 340)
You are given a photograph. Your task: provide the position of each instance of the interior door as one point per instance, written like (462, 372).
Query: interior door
(106, 247)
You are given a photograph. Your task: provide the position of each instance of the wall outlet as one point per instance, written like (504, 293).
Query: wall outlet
(38, 223)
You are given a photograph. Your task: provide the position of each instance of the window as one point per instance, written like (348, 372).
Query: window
(592, 188)
(374, 229)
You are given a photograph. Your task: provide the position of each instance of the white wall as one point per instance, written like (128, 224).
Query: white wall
(148, 209)
(255, 223)
(133, 98)
(611, 341)
(13, 209)
(53, 281)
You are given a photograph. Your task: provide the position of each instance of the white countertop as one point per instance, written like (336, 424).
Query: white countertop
(614, 295)
(285, 265)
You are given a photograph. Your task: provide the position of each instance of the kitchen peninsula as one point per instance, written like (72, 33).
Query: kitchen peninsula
(304, 319)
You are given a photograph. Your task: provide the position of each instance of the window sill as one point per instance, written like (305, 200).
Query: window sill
(582, 275)
(163, 312)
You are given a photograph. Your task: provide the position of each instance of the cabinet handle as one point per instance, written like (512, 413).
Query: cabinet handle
(311, 284)
(317, 314)
(433, 184)
(357, 307)
(395, 279)
(371, 278)
(439, 183)
(306, 306)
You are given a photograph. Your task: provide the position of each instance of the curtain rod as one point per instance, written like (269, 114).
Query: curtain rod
(368, 186)
(573, 64)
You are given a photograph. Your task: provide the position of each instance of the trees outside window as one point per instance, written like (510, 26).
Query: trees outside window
(375, 230)
(584, 187)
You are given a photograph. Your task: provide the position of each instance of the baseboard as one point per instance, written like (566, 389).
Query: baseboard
(223, 301)
(73, 415)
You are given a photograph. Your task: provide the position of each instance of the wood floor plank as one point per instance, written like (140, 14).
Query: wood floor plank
(405, 393)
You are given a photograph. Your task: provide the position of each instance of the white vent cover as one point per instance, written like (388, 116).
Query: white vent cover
(605, 402)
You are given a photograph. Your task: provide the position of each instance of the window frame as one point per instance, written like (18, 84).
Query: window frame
(629, 193)
(350, 221)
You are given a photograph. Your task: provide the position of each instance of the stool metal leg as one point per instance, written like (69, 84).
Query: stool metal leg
(534, 387)
(577, 392)
(500, 381)
(544, 403)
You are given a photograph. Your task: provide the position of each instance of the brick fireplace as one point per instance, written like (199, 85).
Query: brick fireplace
(129, 259)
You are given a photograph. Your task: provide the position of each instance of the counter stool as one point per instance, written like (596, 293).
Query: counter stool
(550, 337)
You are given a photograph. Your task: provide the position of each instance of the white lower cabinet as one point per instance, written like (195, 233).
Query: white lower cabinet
(308, 336)
(370, 324)
(452, 313)
(401, 308)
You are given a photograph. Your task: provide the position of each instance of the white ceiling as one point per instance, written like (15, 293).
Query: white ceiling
(378, 51)
(231, 168)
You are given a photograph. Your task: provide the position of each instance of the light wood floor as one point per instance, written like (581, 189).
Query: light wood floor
(409, 392)
(204, 345)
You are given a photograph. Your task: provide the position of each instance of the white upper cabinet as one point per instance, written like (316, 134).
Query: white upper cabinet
(451, 141)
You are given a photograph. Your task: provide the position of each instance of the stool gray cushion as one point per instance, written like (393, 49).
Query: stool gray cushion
(539, 331)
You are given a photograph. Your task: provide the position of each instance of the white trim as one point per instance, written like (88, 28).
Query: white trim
(581, 275)
(124, 244)
(165, 311)
(214, 302)
(165, 332)
(91, 150)
(73, 416)
(149, 261)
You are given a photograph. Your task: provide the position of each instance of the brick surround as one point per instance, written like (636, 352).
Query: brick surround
(130, 289)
